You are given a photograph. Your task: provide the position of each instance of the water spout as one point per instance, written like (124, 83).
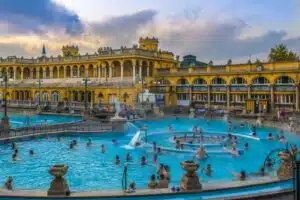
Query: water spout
(135, 139)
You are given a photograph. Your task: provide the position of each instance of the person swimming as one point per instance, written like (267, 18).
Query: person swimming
(185, 137)
(170, 128)
(13, 146)
(234, 151)
(14, 157)
(177, 144)
(114, 142)
(154, 146)
(155, 156)
(201, 153)
(128, 157)
(240, 176)
(246, 146)
(158, 150)
(208, 170)
(89, 143)
(102, 148)
(117, 160)
(270, 136)
(74, 142)
(282, 139)
(31, 152)
(143, 161)
(181, 146)
(8, 185)
(72, 145)
(269, 163)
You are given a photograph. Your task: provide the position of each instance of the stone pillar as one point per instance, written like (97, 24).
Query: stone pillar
(272, 97)
(228, 97)
(15, 73)
(99, 71)
(297, 97)
(51, 73)
(208, 96)
(133, 73)
(148, 71)
(140, 71)
(65, 72)
(110, 71)
(249, 91)
(22, 77)
(44, 73)
(31, 73)
(122, 71)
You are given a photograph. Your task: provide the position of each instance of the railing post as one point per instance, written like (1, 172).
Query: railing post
(297, 181)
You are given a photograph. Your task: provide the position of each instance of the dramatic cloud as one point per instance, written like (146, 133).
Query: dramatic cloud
(122, 30)
(38, 16)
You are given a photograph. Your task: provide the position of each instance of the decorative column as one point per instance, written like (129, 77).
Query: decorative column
(249, 91)
(44, 73)
(140, 71)
(99, 71)
(133, 73)
(297, 97)
(228, 97)
(15, 73)
(272, 97)
(110, 71)
(122, 71)
(22, 77)
(147, 70)
(190, 181)
(51, 73)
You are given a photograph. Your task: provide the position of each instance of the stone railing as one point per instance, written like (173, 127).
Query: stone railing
(100, 54)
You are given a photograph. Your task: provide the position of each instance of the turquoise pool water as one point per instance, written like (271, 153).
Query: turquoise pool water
(89, 169)
(20, 120)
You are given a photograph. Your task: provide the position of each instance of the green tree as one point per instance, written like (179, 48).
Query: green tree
(281, 53)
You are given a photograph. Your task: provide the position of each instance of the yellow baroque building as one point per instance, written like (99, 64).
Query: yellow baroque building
(123, 74)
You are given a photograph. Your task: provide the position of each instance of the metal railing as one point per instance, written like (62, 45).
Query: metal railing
(58, 128)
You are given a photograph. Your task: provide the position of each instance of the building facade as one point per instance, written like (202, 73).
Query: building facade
(112, 74)
(125, 72)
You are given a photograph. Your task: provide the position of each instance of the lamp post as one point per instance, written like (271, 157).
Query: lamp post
(39, 100)
(5, 120)
(141, 81)
(86, 113)
(85, 82)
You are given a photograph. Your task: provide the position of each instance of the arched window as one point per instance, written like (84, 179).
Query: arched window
(199, 81)
(182, 82)
(286, 80)
(238, 81)
(260, 81)
(45, 96)
(55, 97)
(218, 81)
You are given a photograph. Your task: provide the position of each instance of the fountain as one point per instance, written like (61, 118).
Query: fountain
(285, 170)
(118, 110)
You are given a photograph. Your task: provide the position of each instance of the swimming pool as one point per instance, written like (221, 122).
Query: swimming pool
(89, 169)
(21, 120)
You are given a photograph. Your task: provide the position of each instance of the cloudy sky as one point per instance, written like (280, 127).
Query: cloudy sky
(215, 30)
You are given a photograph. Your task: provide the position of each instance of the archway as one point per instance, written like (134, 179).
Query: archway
(100, 98)
(34, 73)
(11, 72)
(151, 69)
(26, 73)
(127, 71)
(199, 81)
(61, 72)
(41, 73)
(47, 72)
(116, 66)
(81, 71)
(91, 71)
(182, 81)
(68, 72)
(45, 96)
(75, 71)
(55, 96)
(284, 80)
(125, 97)
(144, 68)
(18, 73)
(55, 72)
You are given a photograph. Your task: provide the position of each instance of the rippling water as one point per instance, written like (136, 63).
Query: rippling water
(89, 169)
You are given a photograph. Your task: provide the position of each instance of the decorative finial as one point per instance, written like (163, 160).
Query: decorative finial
(44, 51)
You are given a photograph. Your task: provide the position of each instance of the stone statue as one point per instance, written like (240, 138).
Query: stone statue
(285, 170)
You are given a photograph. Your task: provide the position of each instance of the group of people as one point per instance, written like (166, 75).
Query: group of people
(280, 137)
